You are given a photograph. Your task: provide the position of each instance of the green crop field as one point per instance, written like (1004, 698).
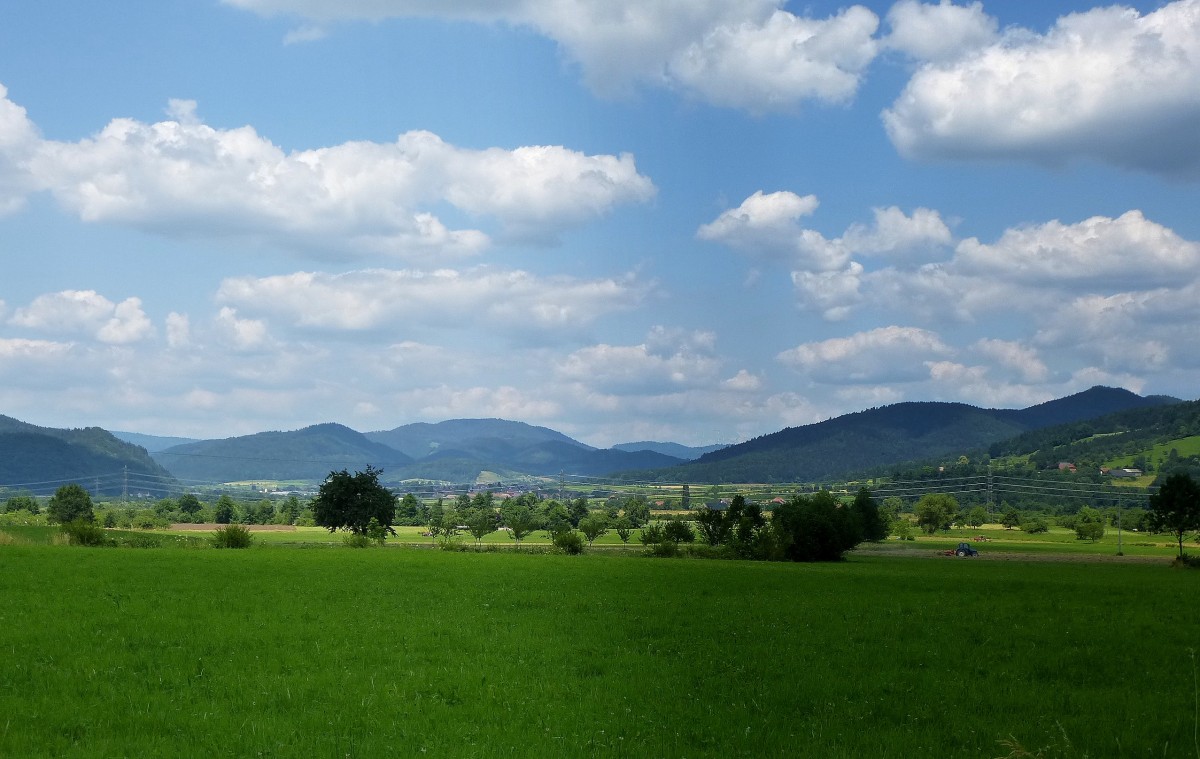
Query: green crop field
(279, 651)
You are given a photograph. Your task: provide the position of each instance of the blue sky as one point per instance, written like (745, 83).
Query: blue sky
(687, 220)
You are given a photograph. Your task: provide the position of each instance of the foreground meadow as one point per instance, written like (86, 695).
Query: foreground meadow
(332, 652)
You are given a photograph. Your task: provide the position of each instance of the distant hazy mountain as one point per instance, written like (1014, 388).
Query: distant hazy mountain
(685, 452)
(1090, 404)
(463, 450)
(39, 459)
(459, 450)
(153, 443)
(896, 434)
(476, 436)
(498, 445)
(307, 454)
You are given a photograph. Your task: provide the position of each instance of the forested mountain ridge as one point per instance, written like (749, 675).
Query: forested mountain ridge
(1097, 402)
(890, 435)
(38, 459)
(421, 439)
(153, 443)
(676, 450)
(458, 450)
(310, 453)
(503, 446)
(464, 450)
(1131, 433)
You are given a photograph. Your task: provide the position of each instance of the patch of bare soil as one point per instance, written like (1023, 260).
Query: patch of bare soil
(251, 527)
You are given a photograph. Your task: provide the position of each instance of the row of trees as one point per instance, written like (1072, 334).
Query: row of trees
(815, 527)
(808, 527)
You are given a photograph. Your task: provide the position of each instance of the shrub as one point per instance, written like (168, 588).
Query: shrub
(1186, 562)
(664, 550)
(703, 551)
(678, 531)
(142, 541)
(1035, 525)
(651, 534)
(22, 518)
(357, 540)
(80, 532)
(376, 532)
(232, 536)
(147, 519)
(569, 542)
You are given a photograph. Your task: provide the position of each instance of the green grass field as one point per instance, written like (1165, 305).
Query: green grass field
(1058, 540)
(281, 652)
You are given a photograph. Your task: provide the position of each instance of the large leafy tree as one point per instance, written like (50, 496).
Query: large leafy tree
(1175, 508)
(874, 527)
(225, 510)
(714, 528)
(936, 511)
(594, 525)
(518, 518)
(189, 503)
(1089, 524)
(816, 528)
(22, 503)
(349, 501)
(637, 510)
(70, 503)
(480, 521)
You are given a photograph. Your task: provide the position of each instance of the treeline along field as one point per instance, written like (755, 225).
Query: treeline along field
(282, 652)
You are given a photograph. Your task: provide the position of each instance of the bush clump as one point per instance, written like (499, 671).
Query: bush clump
(356, 540)
(1186, 562)
(81, 532)
(232, 536)
(1035, 526)
(142, 541)
(569, 542)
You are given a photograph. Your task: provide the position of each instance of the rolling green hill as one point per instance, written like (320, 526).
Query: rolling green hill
(39, 459)
(306, 454)
(458, 451)
(877, 438)
(1139, 437)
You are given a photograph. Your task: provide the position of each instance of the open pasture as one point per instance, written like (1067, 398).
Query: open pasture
(282, 652)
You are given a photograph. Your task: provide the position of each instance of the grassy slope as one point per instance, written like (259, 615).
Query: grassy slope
(1185, 447)
(336, 653)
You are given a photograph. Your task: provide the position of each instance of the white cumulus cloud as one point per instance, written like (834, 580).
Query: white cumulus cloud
(778, 63)
(769, 225)
(86, 312)
(1016, 357)
(748, 54)
(185, 178)
(938, 32)
(669, 361)
(486, 298)
(18, 139)
(1108, 84)
(1127, 252)
(884, 354)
